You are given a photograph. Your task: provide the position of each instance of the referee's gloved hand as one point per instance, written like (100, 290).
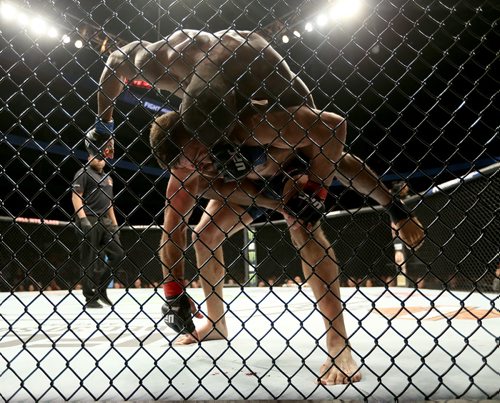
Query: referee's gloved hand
(85, 225)
(99, 141)
(115, 231)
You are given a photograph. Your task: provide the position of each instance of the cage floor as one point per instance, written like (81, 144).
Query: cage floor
(435, 348)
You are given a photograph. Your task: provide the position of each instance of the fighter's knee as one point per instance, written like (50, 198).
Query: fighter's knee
(209, 237)
(303, 238)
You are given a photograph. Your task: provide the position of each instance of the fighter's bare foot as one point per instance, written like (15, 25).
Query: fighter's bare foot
(205, 332)
(340, 369)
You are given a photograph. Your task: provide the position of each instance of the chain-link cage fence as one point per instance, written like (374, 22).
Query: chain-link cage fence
(260, 96)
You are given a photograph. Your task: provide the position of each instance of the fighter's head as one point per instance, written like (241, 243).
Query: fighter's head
(167, 138)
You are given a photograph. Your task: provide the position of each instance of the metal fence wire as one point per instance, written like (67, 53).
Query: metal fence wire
(413, 87)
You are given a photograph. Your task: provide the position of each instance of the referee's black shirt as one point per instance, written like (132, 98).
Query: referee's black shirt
(97, 189)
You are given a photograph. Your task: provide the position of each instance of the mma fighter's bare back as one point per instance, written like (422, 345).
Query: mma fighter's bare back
(245, 57)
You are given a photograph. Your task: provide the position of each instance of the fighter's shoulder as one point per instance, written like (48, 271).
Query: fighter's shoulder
(190, 34)
(182, 187)
(237, 34)
(131, 49)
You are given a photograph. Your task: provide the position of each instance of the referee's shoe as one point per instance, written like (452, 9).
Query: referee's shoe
(103, 297)
(93, 304)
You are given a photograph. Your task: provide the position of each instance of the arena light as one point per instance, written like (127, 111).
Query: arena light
(29, 22)
(321, 20)
(344, 9)
(22, 19)
(78, 44)
(8, 11)
(38, 26)
(285, 39)
(309, 27)
(52, 32)
(66, 39)
(297, 34)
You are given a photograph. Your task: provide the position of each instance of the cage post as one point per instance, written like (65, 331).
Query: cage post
(250, 257)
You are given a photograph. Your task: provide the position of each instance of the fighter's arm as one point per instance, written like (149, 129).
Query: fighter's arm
(318, 135)
(182, 190)
(119, 68)
(355, 173)
(406, 226)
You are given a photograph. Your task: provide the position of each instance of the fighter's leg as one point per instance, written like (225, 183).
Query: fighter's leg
(219, 222)
(322, 273)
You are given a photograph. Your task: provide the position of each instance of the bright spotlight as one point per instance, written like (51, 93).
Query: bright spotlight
(321, 20)
(23, 20)
(297, 34)
(8, 11)
(309, 27)
(285, 39)
(52, 32)
(66, 39)
(38, 26)
(78, 44)
(345, 9)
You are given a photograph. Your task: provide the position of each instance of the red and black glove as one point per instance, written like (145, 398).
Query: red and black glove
(308, 205)
(177, 314)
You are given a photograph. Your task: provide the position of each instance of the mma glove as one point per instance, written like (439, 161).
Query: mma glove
(309, 204)
(99, 141)
(177, 314)
(398, 211)
(230, 162)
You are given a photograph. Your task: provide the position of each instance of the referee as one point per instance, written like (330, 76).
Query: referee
(92, 199)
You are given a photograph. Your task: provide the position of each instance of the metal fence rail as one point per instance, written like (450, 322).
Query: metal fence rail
(456, 213)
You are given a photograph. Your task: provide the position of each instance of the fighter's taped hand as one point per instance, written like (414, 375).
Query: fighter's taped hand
(99, 141)
(230, 162)
(308, 205)
(177, 314)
